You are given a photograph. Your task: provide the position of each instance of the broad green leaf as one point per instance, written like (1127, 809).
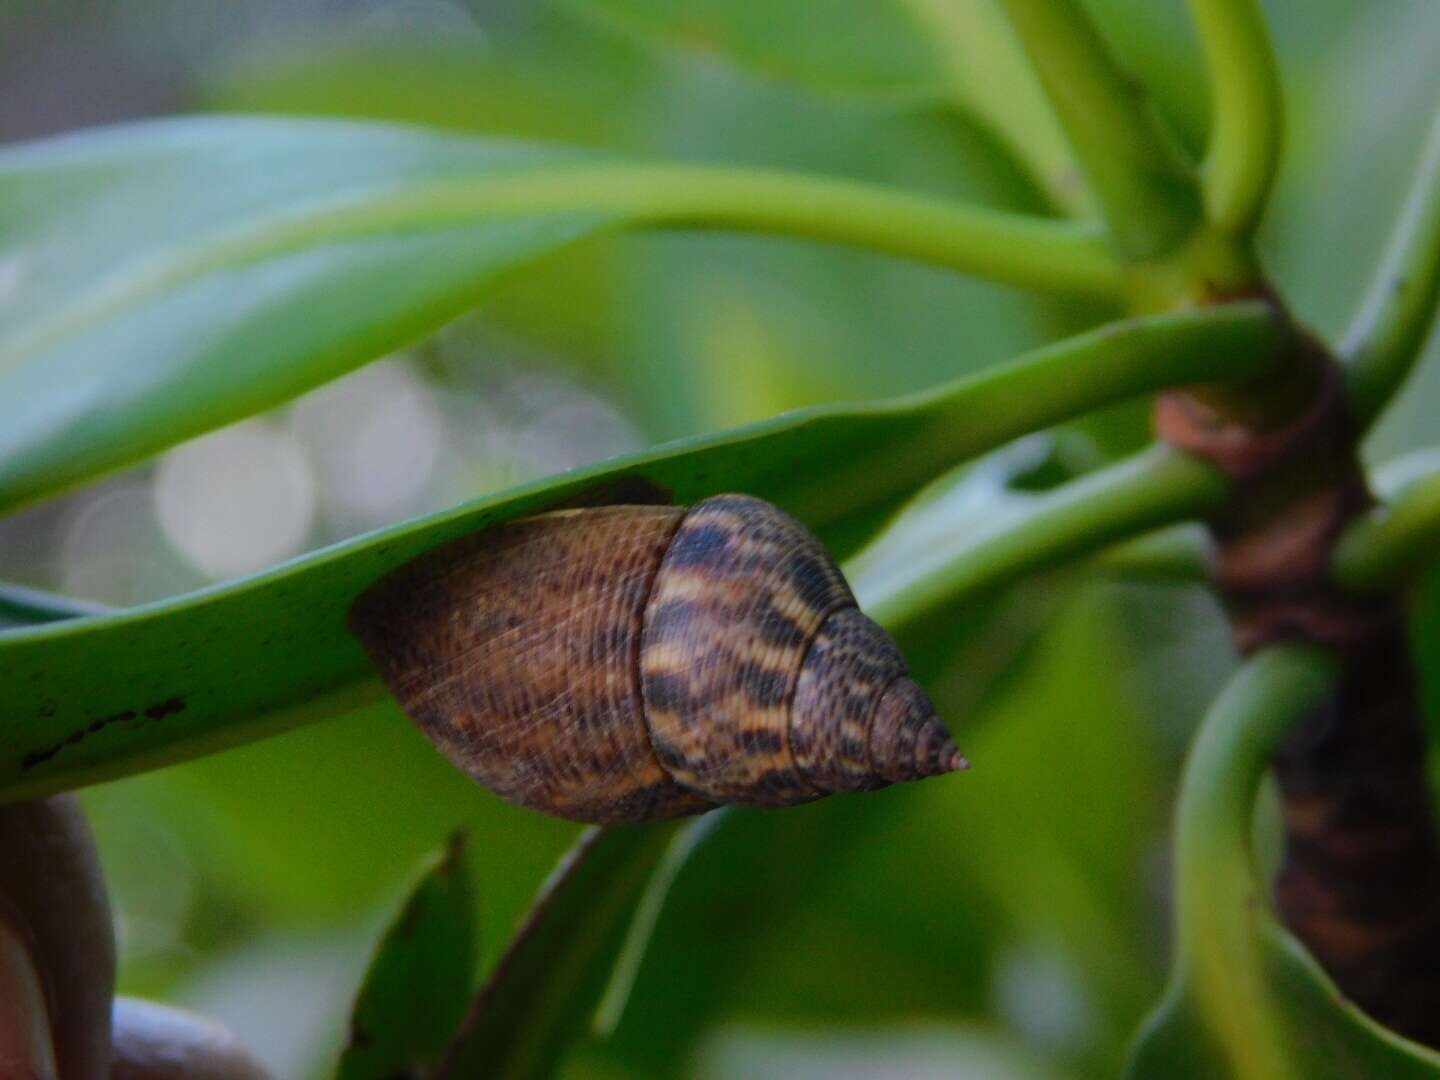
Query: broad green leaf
(920, 51)
(562, 84)
(415, 989)
(1245, 1000)
(165, 278)
(234, 662)
(567, 90)
(866, 46)
(541, 995)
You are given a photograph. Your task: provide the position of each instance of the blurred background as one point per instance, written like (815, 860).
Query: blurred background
(1009, 924)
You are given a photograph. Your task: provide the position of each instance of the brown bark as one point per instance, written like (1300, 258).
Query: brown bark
(1361, 881)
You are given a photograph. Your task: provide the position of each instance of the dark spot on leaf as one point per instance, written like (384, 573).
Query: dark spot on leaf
(359, 1038)
(168, 707)
(35, 757)
(113, 718)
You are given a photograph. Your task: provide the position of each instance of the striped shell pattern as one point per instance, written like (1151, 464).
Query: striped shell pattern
(635, 663)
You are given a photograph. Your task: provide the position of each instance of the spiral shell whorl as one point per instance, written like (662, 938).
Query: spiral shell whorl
(848, 667)
(635, 663)
(859, 721)
(741, 593)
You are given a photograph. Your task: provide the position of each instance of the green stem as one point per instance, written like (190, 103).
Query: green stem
(1228, 343)
(1218, 903)
(1388, 335)
(1147, 194)
(1014, 248)
(1246, 114)
(1157, 487)
(1393, 542)
(989, 80)
(1177, 554)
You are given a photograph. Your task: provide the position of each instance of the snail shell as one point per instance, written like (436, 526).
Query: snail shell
(635, 663)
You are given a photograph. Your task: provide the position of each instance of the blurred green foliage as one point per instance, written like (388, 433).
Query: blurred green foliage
(418, 982)
(1008, 923)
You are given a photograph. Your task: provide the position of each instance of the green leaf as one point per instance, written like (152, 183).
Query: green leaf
(165, 278)
(237, 661)
(1146, 194)
(541, 995)
(916, 51)
(1244, 999)
(868, 46)
(561, 85)
(414, 991)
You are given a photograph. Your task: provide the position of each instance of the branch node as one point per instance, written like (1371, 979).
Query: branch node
(1296, 485)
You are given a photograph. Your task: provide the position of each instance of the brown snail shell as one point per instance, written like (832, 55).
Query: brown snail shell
(635, 663)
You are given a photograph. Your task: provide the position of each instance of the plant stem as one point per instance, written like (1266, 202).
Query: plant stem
(1360, 886)
(1388, 335)
(1236, 342)
(1392, 542)
(1246, 112)
(1154, 488)
(1014, 248)
(989, 79)
(1174, 554)
(1147, 194)
(1216, 893)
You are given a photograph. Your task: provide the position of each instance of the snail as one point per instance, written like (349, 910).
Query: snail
(634, 663)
